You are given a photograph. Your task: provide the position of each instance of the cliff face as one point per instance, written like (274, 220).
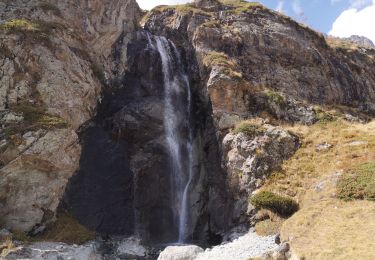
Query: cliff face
(50, 83)
(242, 48)
(82, 90)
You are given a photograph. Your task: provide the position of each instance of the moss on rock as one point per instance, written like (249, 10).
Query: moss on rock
(249, 129)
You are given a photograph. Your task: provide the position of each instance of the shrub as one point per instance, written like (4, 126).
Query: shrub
(324, 117)
(275, 97)
(283, 206)
(358, 183)
(17, 25)
(249, 129)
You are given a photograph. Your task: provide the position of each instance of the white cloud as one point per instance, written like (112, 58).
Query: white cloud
(355, 22)
(149, 4)
(280, 6)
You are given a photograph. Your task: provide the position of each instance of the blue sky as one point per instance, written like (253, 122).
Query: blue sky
(341, 18)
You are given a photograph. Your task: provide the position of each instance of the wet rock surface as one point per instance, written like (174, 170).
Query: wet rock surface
(125, 150)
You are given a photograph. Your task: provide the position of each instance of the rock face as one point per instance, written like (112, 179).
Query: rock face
(49, 86)
(251, 158)
(362, 41)
(243, 47)
(58, 61)
(128, 137)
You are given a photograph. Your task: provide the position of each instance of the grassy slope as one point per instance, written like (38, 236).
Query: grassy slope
(326, 227)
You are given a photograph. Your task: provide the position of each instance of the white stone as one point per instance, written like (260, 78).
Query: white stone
(180, 253)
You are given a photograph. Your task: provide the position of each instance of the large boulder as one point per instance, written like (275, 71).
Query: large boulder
(251, 153)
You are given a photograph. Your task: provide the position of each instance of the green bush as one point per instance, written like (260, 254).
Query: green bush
(16, 25)
(358, 183)
(275, 97)
(283, 206)
(324, 117)
(249, 129)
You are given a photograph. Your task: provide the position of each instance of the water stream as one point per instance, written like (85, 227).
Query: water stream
(177, 115)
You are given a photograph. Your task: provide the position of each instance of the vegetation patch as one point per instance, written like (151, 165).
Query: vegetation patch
(19, 25)
(358, 183)
(34, 118)
(324, 117)
(36, 31)
(68, 230)
(250, 129)
(241, 6)
(275, 97)
(281, 205)
(221, 59)
(37, 117)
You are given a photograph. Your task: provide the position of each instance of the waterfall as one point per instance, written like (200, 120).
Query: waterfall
(177, 115)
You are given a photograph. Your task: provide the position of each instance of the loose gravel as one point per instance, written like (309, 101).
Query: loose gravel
(249, 245)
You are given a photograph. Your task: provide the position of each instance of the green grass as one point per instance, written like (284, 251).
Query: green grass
(358, 183)
(31, 26)
(249, 129)
(16, 25)
(221, 59)
(34, 118)
(284, 206)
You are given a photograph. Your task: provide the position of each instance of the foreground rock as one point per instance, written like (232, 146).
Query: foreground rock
(243, 248)
(53, 251)
(180, 253)
(111, 248)
(252, 152)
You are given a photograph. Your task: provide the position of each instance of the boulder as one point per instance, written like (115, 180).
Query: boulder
(180, 253)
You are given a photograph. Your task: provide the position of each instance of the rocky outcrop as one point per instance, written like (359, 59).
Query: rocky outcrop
(250, 156)
(243, 47)
(50, 84)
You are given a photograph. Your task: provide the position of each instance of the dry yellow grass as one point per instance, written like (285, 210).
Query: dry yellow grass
(308, 166)
(333, 229)
(326, 227)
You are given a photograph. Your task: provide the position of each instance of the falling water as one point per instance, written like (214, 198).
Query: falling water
(177, 107)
